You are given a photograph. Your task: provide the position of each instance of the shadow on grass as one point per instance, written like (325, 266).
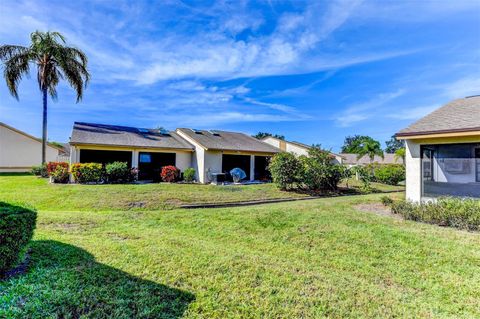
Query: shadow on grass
(16, 174)
(64, 281)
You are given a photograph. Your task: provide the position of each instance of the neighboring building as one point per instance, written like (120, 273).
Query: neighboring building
(221, 151)
(208, 152)
(443, 152)
(353, 160)
(146, 149)
(296, 148)
(20, 151)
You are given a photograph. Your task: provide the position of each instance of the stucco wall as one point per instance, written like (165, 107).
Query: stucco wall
(295, 149)
(272, 141)
(18, 152)
(413, 176)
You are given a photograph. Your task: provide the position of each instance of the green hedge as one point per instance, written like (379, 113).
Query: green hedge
(87, 172)
(189, 175)
(453, 212)
(16, 230)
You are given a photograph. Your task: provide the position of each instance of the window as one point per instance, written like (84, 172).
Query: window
(145, 158)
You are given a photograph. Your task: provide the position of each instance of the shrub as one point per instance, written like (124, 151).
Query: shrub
(318, 172)
(454, 212)
(40, 170)
(390, 174)
(285, 169)
(366, 177)
(51, 166)
(87, 172)
(118, 172)
(16, 230)
(60, 174)
(386, 201)
(170, 174)
(189, 175)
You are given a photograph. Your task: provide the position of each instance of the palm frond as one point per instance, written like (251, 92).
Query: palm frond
(15, 68)
(9, 51)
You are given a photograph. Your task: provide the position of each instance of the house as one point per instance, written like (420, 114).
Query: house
(443, 152)
(208, 152)
(20, 151)
(296, 148)
(350, 159)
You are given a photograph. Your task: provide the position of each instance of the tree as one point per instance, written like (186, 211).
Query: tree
(393, 145)
(54, 62)
(370, 148)
(261, 135)
(354, 144)
(400, 153)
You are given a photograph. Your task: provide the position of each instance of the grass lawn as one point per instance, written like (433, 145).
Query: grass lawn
(42, 195)
(309, 259)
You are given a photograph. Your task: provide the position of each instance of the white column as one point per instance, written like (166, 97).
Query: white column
(413, 162)
(252, 167)
(135, 158)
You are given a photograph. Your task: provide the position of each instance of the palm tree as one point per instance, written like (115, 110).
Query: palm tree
(370, 148)
(54, 61)
(400, 153)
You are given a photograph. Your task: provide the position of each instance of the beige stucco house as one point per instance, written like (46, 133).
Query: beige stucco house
(443, 152)
(208, 152)
(296, 148)
(20, 151)
(351, 159)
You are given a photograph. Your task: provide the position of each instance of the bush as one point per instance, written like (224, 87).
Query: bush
(386, 201)
(285, 169)
(87, 172)
(189, 175)
(60, 174)
(390, 174)
(454, 212)
(16, 230)
(170, 174)
(366, 176)
(51, 166)
(40, 170)
(118, 172)
(318, 172)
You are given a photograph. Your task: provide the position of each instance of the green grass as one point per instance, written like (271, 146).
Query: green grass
(42, 195)
(309, 259)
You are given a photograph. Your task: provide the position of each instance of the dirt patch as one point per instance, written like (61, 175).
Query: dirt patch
(121, 237)
(377, 208)
(136, 205)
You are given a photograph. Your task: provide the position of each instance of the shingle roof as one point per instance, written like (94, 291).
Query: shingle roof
(232, 141)
(101, 134)
(349, 158)
(461, 115)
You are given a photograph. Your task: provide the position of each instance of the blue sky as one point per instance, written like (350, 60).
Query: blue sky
(312, 71)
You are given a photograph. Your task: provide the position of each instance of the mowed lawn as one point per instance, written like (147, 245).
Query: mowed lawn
(73, 197)
(309, 259)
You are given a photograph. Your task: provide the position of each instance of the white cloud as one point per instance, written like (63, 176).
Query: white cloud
(413, 113)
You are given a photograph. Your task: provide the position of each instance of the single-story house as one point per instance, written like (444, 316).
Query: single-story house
(296, 148)
(20, 151)
(351, 160)
(208, 152)
(443, 152)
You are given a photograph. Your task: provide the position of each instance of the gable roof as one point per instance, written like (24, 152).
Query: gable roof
(228, 141)
(461, 115)
(350, 158)
(102, 134)
(29, 136)
(299, 144)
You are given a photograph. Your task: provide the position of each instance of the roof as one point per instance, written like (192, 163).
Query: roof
(29, 136)
(299, 144)
(461, 115)
(228, 141)
(101, 134)
(388, 158)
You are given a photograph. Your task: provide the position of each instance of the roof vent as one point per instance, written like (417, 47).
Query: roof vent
(143, 130)
(215, 133)
(477, 95)
(164, 132)
(196, 131)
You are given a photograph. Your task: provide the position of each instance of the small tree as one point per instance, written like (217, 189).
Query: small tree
(392, 145)
(261, 135)
(285, 169)
(318, 170)
(370, 148)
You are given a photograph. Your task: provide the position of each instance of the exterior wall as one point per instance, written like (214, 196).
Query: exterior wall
(413, 164)
(212, 163)
(19, 152)
(295, 149)
(272, 141)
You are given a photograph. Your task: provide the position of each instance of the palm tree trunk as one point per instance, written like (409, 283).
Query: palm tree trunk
(44, 128)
